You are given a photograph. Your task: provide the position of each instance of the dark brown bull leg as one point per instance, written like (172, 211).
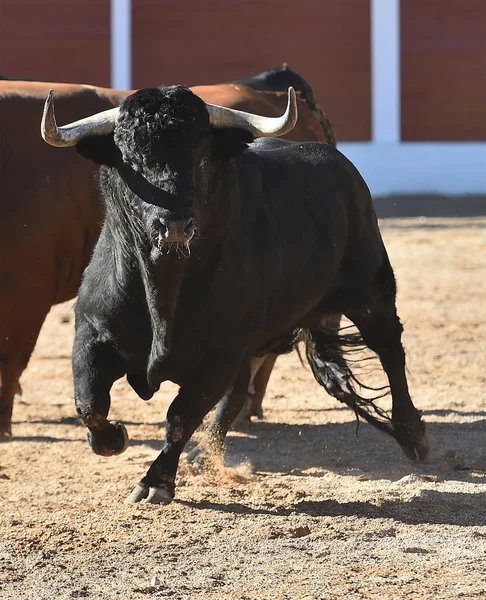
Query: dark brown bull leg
(184, 416)
(10, 371)
(19, 330)
(96, 366)
(261, 369)
(260, 383)
(381, 330)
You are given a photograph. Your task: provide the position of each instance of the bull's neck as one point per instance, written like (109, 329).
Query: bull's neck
(162, 279)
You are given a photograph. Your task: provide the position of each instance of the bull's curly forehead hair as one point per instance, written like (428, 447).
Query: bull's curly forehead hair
(169, 108)
(153, 119)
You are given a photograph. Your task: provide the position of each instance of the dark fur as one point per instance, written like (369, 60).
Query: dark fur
(279, 79)
(286, 235)
(329, 354)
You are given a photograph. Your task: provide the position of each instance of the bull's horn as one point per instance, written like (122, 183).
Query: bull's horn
(69, 135)
(222, 117)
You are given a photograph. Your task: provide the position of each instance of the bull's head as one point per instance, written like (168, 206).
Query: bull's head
(158, 142)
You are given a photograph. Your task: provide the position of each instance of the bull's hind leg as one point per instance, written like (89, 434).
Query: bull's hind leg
(19, 329)
(96, 366)
(10, 372)
(261, 369)
(381, 330)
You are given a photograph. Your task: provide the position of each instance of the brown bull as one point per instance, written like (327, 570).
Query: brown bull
(50, 212)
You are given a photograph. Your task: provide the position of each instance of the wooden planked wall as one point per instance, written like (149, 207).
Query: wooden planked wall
(443, 63)
(56, 40)
(326, 41)
(443, 59)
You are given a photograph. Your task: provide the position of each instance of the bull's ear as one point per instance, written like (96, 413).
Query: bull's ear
(226, 143)
(101, 149)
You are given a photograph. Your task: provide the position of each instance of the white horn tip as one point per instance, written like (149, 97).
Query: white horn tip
(47, 117)
(292, 105)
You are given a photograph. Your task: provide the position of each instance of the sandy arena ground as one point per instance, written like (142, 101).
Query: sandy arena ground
(304, 509)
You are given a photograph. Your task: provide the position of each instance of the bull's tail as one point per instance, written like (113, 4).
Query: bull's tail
(309, 98)
(329, 354)
(326, 125)
(307, 93)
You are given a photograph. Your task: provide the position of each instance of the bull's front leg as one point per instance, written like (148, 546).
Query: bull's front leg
(96, 366)
(184, 416)
(227, 411)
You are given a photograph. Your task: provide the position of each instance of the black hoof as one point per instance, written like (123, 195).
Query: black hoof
(162, 494)
(109, 441)
(417, 450)
(415, 445)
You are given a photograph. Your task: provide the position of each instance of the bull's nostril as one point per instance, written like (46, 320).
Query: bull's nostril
(189, 227)
(163, 229)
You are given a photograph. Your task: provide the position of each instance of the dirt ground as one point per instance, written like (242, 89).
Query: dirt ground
(304, 509)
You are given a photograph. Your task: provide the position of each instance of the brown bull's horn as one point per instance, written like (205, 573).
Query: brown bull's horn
(69, 135)
(221, 117)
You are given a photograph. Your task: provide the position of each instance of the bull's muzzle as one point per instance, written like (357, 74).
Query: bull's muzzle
(171, 231)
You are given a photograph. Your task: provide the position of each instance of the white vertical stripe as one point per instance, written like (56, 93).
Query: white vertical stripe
(121, 44)
(385, 71)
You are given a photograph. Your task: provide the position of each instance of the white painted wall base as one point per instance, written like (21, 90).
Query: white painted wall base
(450, 168)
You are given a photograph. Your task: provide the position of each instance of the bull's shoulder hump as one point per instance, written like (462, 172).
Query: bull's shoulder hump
(279, 147)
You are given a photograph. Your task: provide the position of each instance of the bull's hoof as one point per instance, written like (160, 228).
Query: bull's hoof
(417, 450)
(110, 441)
(197, 457)
(5, 432)
(252, 408)
(415, 446)
(151, 495)
(257, 410)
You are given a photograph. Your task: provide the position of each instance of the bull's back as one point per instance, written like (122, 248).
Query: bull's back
(318, 187)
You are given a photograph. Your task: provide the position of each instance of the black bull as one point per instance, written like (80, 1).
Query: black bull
(215, 250)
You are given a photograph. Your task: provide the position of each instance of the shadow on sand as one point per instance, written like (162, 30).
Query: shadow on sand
(441, 508)
(338, 447)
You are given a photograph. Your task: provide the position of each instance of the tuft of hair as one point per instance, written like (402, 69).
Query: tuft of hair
(330, 354)
(153, 119)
